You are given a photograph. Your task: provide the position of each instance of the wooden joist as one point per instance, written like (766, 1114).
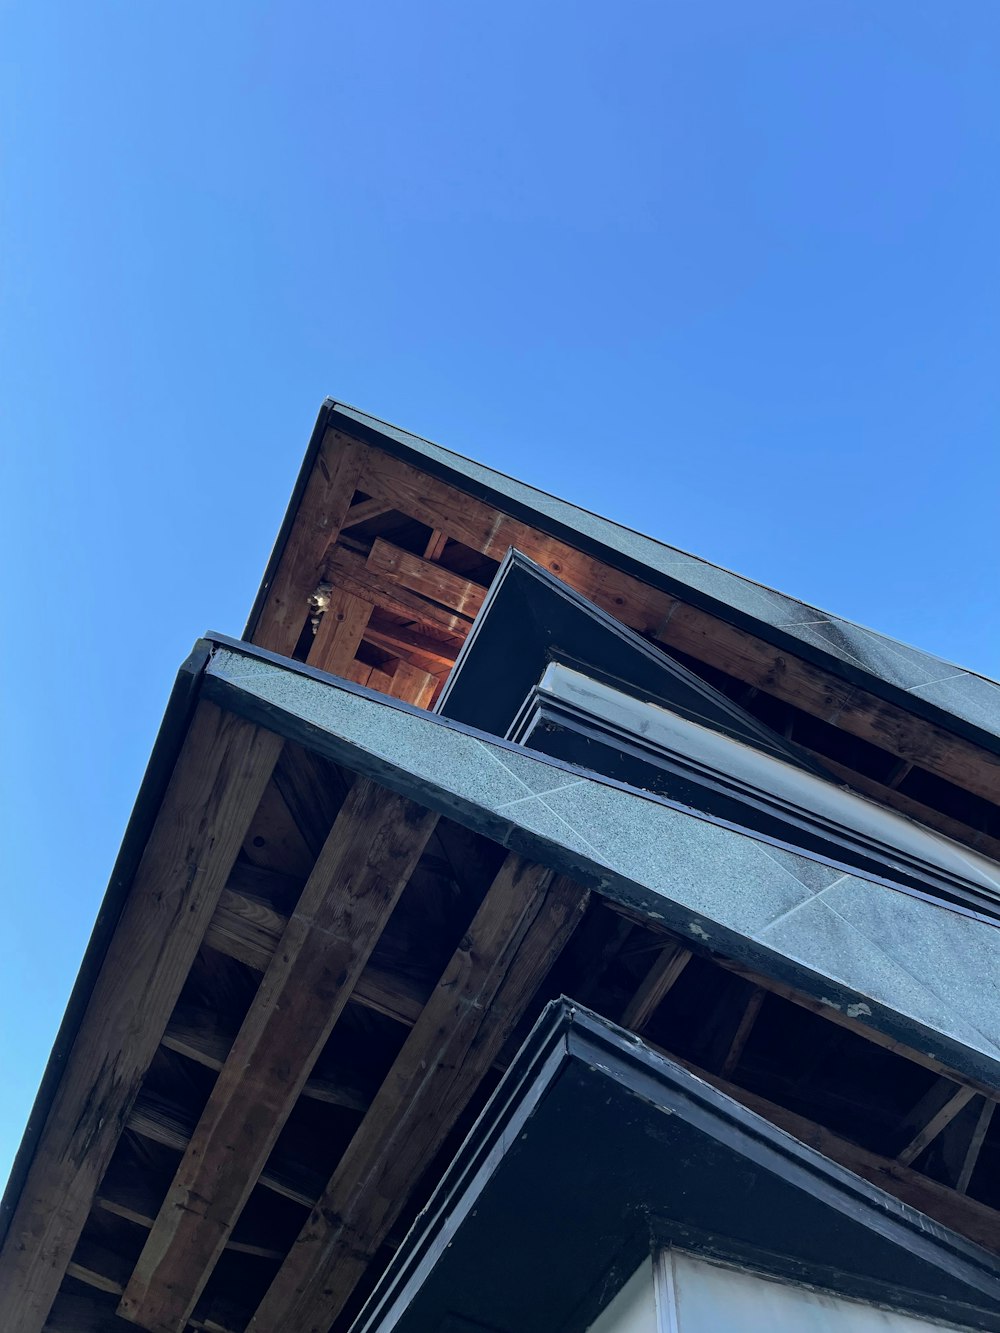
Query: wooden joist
(216, 785)
(171, 1126)
(413, 685)
(744, 1028)
(670, 963)
(515, 936)
(200, 1035)
(366, 862)
(971, 1157)
(133, 1196)
(249, 929)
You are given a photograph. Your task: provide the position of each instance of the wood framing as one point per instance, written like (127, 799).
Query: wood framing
(213, 793)
(510, 945)
(361, 871)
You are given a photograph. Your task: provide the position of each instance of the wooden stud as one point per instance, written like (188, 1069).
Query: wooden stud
(366, 862)
(413, 685)
(436, 543)
(743, 1030)
(669, 965)
(514, 938)
(975, 1145)
(341, 629)
(929, 1117)
(215, 788)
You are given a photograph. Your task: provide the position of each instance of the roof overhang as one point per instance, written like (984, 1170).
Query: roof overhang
(594, 1148)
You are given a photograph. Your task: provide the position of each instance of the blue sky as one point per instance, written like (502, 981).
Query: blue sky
(725, 271)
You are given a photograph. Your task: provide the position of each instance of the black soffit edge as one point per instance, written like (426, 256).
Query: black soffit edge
(531, 624)
(594, 1147)
(531, 618)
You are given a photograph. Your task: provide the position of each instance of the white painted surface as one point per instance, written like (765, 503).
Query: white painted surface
(633, 1310)
(708, 1298)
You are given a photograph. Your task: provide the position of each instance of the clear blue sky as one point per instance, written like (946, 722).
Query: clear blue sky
(724, 270)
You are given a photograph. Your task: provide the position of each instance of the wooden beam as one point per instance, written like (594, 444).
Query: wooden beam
(928, 1118)
(135, 1197)
(98, 1267)
(365, 510)
(742, 1033)
(678, 624)
(347, 570)
(964, 1215)
(829, 1012)
(366, 862)
(340, 631)
(436, 543)
(313, 790)
(169, 1125)
(423, 576)
(669, 965)
(515, 936)
(322, 509)
(975, 1145)
(412, 685)
(216, 785)
(421, 649)
(200, 1035)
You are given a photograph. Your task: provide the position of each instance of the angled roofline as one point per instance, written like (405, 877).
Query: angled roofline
(959, 700)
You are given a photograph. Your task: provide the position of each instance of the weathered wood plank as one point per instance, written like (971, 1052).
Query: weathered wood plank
(517, 933)
(322, 510)
(367, 860)
(656, 984)
(341, 629)
(200, 1035)
(135, 1197)
(427, 578)
(213, 792)
(169, 1125)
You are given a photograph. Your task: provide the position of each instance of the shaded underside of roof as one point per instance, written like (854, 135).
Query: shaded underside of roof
(925, 684)
(922, 972)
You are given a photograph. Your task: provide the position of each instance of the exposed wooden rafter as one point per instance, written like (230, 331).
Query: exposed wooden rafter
(361, 871)
(217, 783)
(515, 936)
